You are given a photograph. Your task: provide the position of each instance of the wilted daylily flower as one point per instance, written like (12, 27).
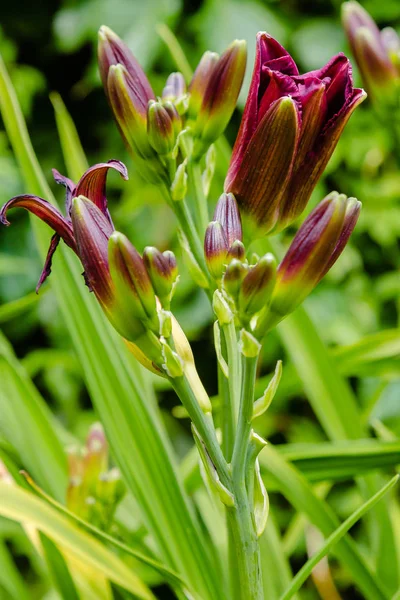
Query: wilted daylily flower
(87, 229)
(377, 54)
(290, 127)
(315, 248)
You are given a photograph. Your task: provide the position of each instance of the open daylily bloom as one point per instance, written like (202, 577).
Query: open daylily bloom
(91, 185)
(315, 248)
(113, 269)
(290, 127)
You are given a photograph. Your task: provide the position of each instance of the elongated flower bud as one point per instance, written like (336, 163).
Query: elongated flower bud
(216, 249)
(227, 213)
(316, 246)
(257, 286)
(131, 279)
(371, 49)
(163, 272)
(160, 128)
(95, 460)
(175, 87)
(129, 111)
(113, 51)
(220, 96)
(199, 83)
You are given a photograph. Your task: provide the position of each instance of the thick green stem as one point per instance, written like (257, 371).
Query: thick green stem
(246, 548)
(232, 352)
(240, 517)
(204, 425)
(198, 197)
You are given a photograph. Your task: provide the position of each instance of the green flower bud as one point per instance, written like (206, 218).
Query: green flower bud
(235, 272)
(163, 272)
(132, 282)
(161, 131)
(257, 286)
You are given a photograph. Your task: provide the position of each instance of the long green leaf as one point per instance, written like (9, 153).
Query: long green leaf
(10, 579)
(27, 423)
(24, 507)
(333, 539)
(341, 460)
(134, 430)
(299, 493)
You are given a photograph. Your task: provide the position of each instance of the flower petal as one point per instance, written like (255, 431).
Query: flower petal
(92, 184)
(55, 239)
(45, 211)
(92, 231)
(69, 189)
(264, 172)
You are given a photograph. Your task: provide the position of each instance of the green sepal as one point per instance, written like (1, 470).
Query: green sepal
(213, 479)
(179, 184)
(217, 342)
(263, 403)
(221, 309)
(173, 364)
(248, 345)
(260, 501)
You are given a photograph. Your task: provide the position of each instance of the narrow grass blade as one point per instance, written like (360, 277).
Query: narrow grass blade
(333, 539)
(299, 493)
(24, 507)
(10, 579)
(27, 423)
(74, 156)
(336, 461)
(58, 570)
(169, 575)
(16, 308)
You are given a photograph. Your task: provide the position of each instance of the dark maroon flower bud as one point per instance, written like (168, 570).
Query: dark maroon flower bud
(227, 213)
(216, 249)
(315, 248)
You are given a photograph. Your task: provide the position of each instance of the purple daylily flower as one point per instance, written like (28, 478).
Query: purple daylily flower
(290, 127)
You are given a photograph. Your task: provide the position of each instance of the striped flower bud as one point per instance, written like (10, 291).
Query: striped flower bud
(175, 87)
(257, 286)
(199, 82)
(131, 279)
(315, 248)
(216, 249)
(227, 213)
(161, 129)
(163, 272)
(376, 53)
(218, 84)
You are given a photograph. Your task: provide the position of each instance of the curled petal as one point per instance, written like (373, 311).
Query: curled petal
(92, 231)
(55, 239)
(92, 184)
(69, 188)
(45, 211)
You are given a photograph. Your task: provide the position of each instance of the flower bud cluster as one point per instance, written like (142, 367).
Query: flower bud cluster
(153, 127)
(94, 490)
(258, 293)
